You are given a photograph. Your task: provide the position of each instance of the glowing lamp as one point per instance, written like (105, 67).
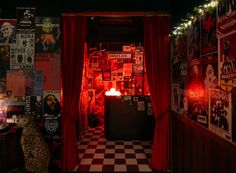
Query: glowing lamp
(112, 92)
(195, 91)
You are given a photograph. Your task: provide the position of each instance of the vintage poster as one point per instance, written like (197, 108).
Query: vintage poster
(179, 59)
(210, 71)
(4, 65)
(51, 103)
(48, 35)
(220, 113)
(195, 69)
(226, 19)
(47, 63)
(22, 54)
(13, 77)
(176, 73)
(117, 66)
(106, 71)
(34, 104)
(51, 127)
(117, 76)
(193, 39)
(138, 84)
(177, 99)
(122, 55)
(137, 69)
(227, 62)
(180, 46)
(208, 32)
(198, 111)
(34, 83)
(25, 17)
(106, 75)
(4, 57)
(8, 31)
(127, 67)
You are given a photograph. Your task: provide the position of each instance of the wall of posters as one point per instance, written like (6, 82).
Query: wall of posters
(209, 87)
(108, 69)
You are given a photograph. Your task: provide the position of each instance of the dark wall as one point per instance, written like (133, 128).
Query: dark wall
(195, 149)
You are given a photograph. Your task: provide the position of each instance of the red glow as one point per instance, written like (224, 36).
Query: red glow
(195, 91)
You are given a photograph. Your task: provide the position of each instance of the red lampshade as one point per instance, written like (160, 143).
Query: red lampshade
(195, 91)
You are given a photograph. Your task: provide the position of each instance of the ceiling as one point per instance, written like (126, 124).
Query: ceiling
(178, 8)
(107, 28)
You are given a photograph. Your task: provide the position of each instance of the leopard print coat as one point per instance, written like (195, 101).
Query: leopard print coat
(35, 149)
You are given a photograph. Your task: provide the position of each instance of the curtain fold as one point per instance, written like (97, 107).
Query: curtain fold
(157, 51)
(73, 40)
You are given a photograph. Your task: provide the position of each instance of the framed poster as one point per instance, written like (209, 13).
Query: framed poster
(220, 113)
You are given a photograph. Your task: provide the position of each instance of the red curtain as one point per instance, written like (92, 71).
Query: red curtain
(156, 46)
(73, 40)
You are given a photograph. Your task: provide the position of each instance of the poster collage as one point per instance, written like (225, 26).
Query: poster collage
(121, 69)
(30, 51)
(204, 70)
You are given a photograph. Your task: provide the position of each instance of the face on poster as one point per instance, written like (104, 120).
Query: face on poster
(8, 31)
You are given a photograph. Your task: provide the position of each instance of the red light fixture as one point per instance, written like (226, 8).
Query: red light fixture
(195, 91)
(112, 92)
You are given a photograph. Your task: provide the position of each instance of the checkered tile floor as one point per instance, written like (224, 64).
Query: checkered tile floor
(100, 155)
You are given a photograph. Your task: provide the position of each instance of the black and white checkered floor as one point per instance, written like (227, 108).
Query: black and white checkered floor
(100, 155)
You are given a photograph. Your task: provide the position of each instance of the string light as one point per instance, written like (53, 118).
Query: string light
(186, 23)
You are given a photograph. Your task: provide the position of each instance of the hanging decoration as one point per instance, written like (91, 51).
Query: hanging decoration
(187, 22)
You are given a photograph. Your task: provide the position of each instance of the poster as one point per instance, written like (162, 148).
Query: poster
(36, 106)
(4, 65)
(226, 19)
(25, 17)
(127, 67)
(220, 113)
(210, 71)
(8, 31)
(208, 32)
(48, 35)
(4, 58)
(227, 61)
(198, 111)
(22, 54)
(138, 85)
(51, 127)
(34, 83)
(179, 59)
(51, 106)
(177, 100)
(193, 40)
(14, 77)
(47, 63)
(195, 69)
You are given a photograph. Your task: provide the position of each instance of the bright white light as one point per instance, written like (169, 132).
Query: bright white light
(112, 92)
